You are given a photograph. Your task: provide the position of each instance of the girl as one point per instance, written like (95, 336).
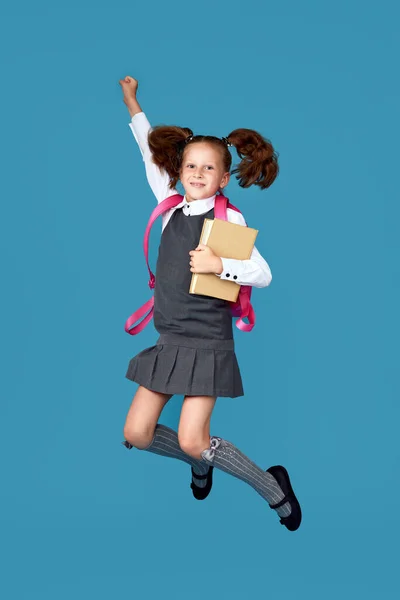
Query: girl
(194, 355)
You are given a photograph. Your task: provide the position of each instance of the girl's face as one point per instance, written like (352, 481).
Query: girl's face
(202, 172)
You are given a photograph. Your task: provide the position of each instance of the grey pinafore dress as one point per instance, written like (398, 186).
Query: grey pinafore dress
(194, 355)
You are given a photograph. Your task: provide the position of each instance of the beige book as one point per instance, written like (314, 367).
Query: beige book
(227, 240)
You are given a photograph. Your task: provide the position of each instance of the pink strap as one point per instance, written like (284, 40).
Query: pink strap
(165, 205)
(148, 307)
(220, 205)
(246, 310)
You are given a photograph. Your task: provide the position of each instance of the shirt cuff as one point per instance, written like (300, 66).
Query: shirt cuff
(136, 117)
(232, 269)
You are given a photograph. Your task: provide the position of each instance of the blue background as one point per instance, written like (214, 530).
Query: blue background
(80, 516)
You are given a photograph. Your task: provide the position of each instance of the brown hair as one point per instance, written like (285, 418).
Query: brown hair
(258, 165)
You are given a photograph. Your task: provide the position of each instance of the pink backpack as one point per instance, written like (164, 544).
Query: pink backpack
(242, 308)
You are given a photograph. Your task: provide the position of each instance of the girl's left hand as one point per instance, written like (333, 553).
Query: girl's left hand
(203, 260)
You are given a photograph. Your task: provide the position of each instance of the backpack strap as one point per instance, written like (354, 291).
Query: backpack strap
(243, 307)
(165, 205)
(247, 310)
(221, 205)
(148, 307)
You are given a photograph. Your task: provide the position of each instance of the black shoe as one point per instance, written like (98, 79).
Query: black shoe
(200, 493)
(292, 522)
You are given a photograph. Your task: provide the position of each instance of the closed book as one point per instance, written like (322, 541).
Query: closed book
(227, 240)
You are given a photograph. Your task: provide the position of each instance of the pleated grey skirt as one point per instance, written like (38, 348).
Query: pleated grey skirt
(188, 366)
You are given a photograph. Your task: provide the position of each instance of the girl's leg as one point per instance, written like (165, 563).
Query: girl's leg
(194, 424)
(143, 416)
(142, 431)
(194, 439)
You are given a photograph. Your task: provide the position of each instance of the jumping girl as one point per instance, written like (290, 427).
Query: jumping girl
(194, 355)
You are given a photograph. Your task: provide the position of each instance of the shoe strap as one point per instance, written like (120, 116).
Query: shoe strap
(200, 477)
(281, 503)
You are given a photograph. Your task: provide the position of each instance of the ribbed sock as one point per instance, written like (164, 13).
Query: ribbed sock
(165, 442)
(225, 456)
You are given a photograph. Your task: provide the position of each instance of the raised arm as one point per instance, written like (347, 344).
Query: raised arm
(140, 127)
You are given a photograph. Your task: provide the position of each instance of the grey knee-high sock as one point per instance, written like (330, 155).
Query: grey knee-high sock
(224, 456)
(165, 442)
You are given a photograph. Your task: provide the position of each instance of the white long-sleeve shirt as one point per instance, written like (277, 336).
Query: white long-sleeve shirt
(255, 271)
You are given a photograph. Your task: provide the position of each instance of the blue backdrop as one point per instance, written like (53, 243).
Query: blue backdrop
(80, 516)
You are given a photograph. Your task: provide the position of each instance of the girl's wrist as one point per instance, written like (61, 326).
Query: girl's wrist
(218, 266)
(134, 107)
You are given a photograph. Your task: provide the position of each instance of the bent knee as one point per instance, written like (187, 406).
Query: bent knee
(139, 437)
(193, 445)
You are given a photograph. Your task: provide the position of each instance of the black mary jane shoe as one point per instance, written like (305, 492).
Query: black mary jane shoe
(200, 493)
(292, 522)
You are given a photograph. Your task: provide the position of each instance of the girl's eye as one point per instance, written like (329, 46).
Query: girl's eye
(190, 165)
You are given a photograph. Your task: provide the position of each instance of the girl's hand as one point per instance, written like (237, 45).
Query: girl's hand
(203, 260)
(129, 87)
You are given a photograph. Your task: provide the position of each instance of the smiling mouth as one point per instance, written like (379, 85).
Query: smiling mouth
(197, 184)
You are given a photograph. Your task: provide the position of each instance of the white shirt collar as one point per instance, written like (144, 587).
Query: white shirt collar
(196, 207)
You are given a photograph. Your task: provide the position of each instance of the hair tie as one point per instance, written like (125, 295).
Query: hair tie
(181, 145)
(226, 141)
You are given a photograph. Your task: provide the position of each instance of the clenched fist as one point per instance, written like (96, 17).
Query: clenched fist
(129, 87)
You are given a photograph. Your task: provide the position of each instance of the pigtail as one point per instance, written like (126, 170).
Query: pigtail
(166, 145)
(259, 164)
